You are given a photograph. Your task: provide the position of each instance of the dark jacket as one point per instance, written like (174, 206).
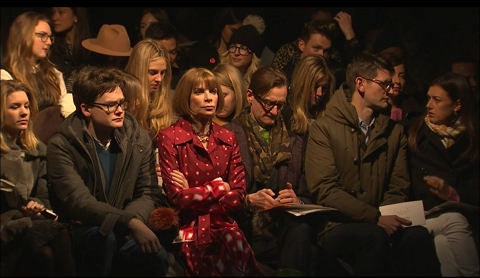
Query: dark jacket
(433, 159)
(27, 171)
(76, 175)
(343, 175)
(293, 172)
(286, 173)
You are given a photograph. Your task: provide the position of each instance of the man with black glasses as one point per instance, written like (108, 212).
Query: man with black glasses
(101, 169)
(356, 161)
(272, 157)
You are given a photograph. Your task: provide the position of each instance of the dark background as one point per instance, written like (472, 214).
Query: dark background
(437, 29)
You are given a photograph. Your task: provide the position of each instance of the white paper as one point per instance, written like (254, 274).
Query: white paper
(299, 209)
(412, 211)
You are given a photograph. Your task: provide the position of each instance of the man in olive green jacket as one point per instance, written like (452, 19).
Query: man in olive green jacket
(356, 161)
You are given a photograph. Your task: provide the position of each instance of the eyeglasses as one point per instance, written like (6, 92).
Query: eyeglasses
(111, 107)
(386, 85)
(243, 50)
(268, 105)
(44, 36)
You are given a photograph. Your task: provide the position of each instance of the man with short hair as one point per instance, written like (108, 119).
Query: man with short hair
(166, 34)
(101, 169)
(319, 33)
(356, 161)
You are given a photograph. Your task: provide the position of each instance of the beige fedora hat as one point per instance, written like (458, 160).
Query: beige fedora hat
(111, 40)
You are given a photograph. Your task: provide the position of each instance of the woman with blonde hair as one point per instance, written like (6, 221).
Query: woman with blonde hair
(312, 85)
(26, 60)
(33, 242)
(244, 49)
(233, 88)
(150, 63)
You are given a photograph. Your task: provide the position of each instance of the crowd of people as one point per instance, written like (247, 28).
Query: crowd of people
(157, 155)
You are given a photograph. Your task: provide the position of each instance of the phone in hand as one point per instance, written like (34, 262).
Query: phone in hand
(49, 214)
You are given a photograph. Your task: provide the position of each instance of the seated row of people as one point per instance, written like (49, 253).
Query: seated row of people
(283, 166)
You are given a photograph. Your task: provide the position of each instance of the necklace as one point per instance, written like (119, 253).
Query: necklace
(203, 137)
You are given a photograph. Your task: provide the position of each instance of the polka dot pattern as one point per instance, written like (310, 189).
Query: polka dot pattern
(213, 244)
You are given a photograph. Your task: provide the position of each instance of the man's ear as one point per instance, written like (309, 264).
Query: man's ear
(360, 85)
(301, 44)
(249, 96)
(85, 110)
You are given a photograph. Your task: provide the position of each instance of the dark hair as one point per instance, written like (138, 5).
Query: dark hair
(265, 79)
(92, 82)
(228, 16)
(328, 28)
(394, 59)
(457, 88)
(161, 31)
(366, 65)
(159, 14)
(82, 32)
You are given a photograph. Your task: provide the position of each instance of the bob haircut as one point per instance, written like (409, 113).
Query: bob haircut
(191, 80)
(230, 77)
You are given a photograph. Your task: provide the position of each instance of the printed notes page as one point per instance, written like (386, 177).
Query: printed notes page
(412, 211)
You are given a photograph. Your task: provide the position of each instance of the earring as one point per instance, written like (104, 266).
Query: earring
(455, 112)
(75, 21)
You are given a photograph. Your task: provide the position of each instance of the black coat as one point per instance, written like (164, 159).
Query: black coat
(434, 160)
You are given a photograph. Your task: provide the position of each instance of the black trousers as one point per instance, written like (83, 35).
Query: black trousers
(371, 252)
(295, 247)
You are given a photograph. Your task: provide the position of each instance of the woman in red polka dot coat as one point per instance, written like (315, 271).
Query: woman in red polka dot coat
(204, 178)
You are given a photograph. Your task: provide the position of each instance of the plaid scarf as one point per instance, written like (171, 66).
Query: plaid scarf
(266, 156)
(447, 133)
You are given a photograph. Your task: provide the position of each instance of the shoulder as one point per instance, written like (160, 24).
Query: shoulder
(133, 130)
(223, 134)
(175, 133)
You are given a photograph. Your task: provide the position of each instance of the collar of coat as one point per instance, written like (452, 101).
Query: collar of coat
(184, 133)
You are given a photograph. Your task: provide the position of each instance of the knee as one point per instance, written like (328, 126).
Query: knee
(301, 233)
(456, 222)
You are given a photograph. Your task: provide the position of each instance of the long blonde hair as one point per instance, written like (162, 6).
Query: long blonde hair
(18, 52)
(160, 113)
(26, 138)
(307, 73)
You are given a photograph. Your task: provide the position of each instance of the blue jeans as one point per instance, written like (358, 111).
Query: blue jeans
(112, 255)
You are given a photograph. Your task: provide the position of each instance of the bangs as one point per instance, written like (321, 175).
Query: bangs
(207, 80)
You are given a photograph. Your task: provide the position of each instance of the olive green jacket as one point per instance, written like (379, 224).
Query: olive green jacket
(343, 175)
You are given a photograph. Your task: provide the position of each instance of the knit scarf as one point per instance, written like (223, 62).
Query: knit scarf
(447, 133)
(265, 156)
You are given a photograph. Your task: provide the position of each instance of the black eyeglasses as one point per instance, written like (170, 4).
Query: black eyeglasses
(44, 36)
(243, 50)
(111, 107)
(268, 105)
(386, 85)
